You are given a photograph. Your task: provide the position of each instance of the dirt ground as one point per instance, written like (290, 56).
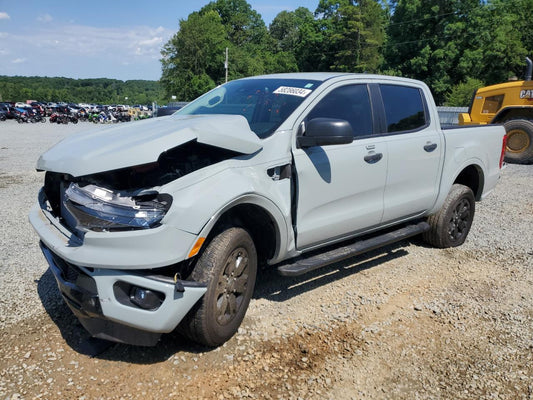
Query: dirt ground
(404, 322)
(424, 324)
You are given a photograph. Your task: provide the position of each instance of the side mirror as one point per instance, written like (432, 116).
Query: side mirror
(324, 132)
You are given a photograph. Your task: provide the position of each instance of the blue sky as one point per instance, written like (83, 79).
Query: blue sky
(95, 39)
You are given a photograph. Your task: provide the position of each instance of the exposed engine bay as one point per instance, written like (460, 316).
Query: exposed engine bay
(128, 190)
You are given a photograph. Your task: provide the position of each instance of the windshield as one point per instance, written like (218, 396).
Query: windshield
(265, 103)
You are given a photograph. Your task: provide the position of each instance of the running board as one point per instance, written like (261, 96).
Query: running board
(304, 265)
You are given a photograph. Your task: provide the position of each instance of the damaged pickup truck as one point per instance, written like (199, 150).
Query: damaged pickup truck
(163, 223)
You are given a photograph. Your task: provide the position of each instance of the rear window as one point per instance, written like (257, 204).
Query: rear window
(404, 108)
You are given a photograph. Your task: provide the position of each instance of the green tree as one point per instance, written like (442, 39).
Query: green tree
(461, 94)
(252, 51)
(298, 33)
(354, 32)
(243, 24)
(445, 43)
(193, 59)
(104, 91)
(421, 41)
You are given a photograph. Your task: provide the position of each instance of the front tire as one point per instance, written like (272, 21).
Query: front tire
(229, 267)
(450, 226)
(519, 141)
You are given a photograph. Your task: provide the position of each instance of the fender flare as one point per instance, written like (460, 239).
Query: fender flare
(281, 226)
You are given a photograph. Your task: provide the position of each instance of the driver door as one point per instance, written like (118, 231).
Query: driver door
(340, 187)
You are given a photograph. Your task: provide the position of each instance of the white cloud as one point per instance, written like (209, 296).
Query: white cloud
(81, 40)
(45, 18)
(4, 15)
(86, 51)
(151, 42)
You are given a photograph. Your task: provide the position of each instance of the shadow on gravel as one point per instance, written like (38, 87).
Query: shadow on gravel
(278, 288)
(59, 313)
(271, 286)
(77, 338)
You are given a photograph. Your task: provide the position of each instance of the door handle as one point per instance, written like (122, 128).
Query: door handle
(373, 158)
(430, 147)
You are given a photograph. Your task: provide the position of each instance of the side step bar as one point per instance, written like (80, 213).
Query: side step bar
(304, 265)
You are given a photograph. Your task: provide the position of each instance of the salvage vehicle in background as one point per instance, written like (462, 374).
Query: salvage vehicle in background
(169, 109)
(164, 223)
(510, 104)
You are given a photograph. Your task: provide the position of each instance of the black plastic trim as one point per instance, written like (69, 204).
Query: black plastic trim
(307, 264)
(76, 287)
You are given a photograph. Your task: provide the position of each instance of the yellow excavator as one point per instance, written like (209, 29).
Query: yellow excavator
(510, 104)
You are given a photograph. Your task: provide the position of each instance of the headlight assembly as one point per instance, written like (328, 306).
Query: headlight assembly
(100, 209)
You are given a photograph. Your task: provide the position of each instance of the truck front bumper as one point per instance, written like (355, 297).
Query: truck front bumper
(103, 302)
(123, 250)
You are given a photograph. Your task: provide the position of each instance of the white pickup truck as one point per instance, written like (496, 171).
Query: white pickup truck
(162, 223)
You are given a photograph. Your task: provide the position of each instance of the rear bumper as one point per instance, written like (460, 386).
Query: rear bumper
(97, 297)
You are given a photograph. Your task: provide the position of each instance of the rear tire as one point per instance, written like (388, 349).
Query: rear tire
(450, 226)
(519, 148)
(229, 267)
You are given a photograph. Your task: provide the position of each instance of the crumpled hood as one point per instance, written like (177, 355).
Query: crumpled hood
(141, 142)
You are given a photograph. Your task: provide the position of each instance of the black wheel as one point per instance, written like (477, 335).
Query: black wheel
(229, 267)
(519, 141)
(450, 226)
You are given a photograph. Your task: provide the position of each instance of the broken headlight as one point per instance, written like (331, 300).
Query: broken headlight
(100, 209)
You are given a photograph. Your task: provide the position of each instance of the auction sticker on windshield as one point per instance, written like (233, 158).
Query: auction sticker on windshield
(292, 91)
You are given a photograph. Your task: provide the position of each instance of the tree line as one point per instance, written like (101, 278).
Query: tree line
(99, 91)
(454, 46)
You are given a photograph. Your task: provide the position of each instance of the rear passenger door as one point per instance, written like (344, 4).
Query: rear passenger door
(415, 149)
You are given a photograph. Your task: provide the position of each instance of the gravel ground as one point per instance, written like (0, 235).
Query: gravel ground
(404, 322)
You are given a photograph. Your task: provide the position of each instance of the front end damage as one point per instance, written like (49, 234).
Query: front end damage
(119, 267)
(109, 252)
(122, 306)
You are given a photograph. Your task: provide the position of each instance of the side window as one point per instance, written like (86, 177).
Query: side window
(492, 104)
(404, 108)
(350, 103)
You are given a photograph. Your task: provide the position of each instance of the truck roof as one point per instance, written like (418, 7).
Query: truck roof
(324, 76)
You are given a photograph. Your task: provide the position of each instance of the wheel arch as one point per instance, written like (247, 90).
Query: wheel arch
(508, 113)
(473, 177)
(263, 221)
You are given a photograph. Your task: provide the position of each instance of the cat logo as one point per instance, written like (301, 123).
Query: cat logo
(526, 94)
